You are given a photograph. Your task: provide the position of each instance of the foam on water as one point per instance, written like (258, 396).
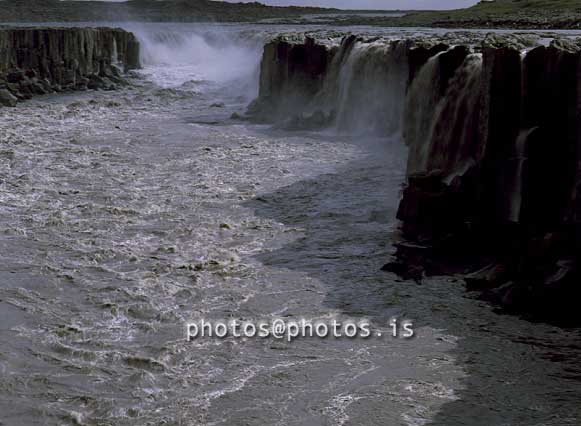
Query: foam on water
(123, 217)
(177, 58)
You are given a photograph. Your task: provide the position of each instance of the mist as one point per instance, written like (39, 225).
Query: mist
(183, 58)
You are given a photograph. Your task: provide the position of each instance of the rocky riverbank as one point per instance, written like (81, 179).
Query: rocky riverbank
(492, 125)
(36, 61)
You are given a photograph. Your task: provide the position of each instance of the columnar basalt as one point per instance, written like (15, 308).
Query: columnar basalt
(494, 138)
(501, 195)
(44, 60)
(291, 74)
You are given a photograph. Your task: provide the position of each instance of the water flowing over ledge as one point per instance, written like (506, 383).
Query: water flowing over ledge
(492, 126)
(37, 61)
(491, 123)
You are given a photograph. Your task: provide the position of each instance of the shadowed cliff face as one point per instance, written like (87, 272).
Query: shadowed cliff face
(501, 193)
(493, 135)
(291, 75)
(126, 214)
(43, 60)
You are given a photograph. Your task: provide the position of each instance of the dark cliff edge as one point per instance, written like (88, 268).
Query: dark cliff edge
(35, 61)
(494, 134)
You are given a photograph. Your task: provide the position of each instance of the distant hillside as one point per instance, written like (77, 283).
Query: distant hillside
(549, 14)
(516, 5)
(144, 10)
(530, 14)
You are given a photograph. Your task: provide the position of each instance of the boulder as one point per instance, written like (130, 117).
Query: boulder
(488, 277)
(15, 76)
(7, 98)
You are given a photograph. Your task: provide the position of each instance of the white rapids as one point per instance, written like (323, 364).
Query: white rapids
(123, 215)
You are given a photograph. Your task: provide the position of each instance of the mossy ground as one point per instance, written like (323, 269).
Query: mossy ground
(532, 14)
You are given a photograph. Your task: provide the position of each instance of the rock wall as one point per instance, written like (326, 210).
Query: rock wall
(291, 74)
(43, 60)
(494, 134)
(500, 196)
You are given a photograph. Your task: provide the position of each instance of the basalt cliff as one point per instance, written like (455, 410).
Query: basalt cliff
(36, 61)
(494, 134)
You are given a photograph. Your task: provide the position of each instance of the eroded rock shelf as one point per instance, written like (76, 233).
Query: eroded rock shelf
(37, 61)
(493, 128)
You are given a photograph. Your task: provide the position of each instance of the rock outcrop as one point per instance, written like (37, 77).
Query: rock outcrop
(291, 74)
(495, 189)
(37, 61)
(494, 135)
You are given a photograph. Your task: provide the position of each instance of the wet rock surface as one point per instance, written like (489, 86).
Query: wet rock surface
(491, 122)
(513, 206)
(292, 73)
(37, 61)
(127, 213)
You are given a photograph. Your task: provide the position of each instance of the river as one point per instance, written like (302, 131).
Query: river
(124, 215)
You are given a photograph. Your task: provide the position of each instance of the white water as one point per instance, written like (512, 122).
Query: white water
(177, 59)
(421, 103)
(371, 89)
(518, 162)
(440, 129)
(126, 214)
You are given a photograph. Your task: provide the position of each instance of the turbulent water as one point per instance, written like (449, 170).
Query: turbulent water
(126, 214)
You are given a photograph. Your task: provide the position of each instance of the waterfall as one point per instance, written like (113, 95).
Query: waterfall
(442, 130)
(115, 53)
(517, 167)
(419, 118)
(177, 56)
(356, 88)
(371, 86)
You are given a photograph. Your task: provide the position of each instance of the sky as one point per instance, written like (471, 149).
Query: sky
(375, 4)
